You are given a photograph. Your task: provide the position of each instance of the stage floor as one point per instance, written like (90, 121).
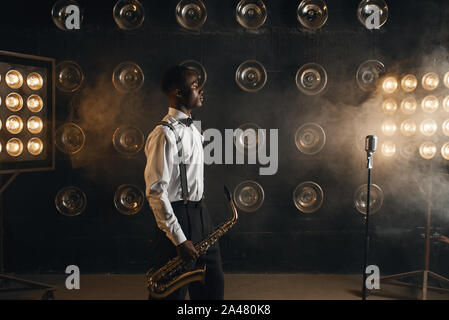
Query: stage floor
(237, 287)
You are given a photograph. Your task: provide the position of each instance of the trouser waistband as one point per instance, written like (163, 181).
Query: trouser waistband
(188, 204)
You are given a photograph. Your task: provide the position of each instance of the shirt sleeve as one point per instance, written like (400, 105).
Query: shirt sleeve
(160, 152)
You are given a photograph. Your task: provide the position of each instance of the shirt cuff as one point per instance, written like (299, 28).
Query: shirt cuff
(178, 238)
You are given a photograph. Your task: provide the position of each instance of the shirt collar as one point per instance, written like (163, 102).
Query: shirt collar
(177, 114)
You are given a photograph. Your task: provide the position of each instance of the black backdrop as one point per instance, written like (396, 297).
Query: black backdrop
(276, 238)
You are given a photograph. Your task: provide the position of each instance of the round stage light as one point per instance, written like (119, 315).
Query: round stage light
(388, 149)
(311, 78)
(248, 196)
(35, 103)
(14, 147)
(69, 76)
(61, 11)
(427, 150)
(389, 84)
(310, 138)
(430, 104)
(408, 150)
(198, 68)
(128, 140)
(428, 127)
(445, 151)
(308, 197)
(312, 14)
(446, 79)
(368, 73)
(408, 127)
(35, 81)
(445, 127)
(128, 14)
(14, 101)
(35, 125)
(128, 77)
(367, 8)
(191, 14)
(409, 83)
(70, 201)
(251, 76)
(35, 146)
(69, 138)
(409, 105)
(446, 104)
(246, 138)
(14, 124)
(129, 199)
(389, 106)
(375, 201)
(14, 79)
(251, 14)
(389, 127)
(430, 81)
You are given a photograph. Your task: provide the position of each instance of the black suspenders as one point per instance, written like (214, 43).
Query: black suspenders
(182, 165)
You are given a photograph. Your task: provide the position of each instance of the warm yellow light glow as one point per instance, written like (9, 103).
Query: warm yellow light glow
(0, 147)
(14, 124)
(35, 146)
(14, 79)
(445, 127)
(35, 103)
(430, 104)
(35, 125)
(14, 101)
(430, 81)
(427, 150)
(35, 81)
(389, 106)
(389, 127)
(390, 84)
(408, 127)
(14, 147)
(388, 148)
(445, 151)
(409, 83)
(428, 127)
(409, 105)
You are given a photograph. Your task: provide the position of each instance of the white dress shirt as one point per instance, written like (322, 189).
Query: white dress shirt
(162, 175)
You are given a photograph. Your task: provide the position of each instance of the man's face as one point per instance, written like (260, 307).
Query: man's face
(193, 94)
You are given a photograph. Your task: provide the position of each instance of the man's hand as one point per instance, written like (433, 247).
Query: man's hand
(444, 239)
(187, 251)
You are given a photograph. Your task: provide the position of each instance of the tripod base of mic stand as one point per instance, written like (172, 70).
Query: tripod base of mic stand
(27, 285)
(423, 274)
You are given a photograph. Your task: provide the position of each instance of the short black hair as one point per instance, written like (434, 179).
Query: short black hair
(173, 78)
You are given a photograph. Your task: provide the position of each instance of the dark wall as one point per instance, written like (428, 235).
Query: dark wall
(275, 238)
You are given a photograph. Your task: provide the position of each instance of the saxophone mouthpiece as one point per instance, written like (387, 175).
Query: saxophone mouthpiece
(227, 193)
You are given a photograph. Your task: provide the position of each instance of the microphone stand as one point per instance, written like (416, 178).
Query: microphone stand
(369, 165)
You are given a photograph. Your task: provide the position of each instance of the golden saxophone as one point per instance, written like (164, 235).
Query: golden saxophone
(176, 273)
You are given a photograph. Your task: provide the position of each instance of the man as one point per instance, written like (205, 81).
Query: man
(444, 239)
(176, 203)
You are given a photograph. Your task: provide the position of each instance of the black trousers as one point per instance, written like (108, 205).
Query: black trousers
(196, 224)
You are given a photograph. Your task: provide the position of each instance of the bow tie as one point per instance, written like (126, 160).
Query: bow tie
(186, 121)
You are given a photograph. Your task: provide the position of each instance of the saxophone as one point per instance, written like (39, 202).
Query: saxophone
(175, 273)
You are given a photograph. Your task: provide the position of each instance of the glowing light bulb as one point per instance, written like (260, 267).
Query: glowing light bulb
(14, 124)
(14, 101)
(445, 151)
(428, 150)
(35, 125)
(389, 106)
(409, 83)
(430, 104)
(14, 79)
(35, 81)
(430, 81)
(390, 84)
(428, 127)
(408, 127)
(409, 105)
(389, 127)
(35, 146)
(388, 148)
(35, 103)
(14, 147)
(446, 79)
(445, 127)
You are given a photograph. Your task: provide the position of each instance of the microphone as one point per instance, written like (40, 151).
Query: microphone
(371, 144)
(370, 147)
